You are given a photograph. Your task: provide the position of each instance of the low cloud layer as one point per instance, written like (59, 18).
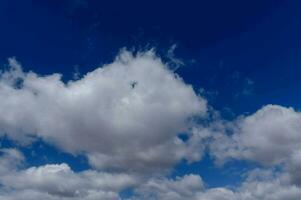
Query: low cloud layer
(59, 182)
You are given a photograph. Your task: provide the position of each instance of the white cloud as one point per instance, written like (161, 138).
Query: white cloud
(58, 181)
(181, 188)
(271, 136)
(124, 116)
(268, 185)
(259, 185)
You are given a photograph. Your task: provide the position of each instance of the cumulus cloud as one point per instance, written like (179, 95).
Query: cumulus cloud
(188, 187)
(271, 136)
(259, 185)
(180, 188)
(124, 116)
(57, 181)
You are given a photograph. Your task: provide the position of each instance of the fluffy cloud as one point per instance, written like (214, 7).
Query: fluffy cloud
(60, 180)
(57, 181)
(268, 185)
(124, 116)
(259, 185)
(271, 136)
(181, 188)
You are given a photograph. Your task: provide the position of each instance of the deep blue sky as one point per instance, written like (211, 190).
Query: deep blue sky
(245, 54)
(218, 40)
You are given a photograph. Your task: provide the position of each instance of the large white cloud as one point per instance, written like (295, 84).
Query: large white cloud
(124, 116)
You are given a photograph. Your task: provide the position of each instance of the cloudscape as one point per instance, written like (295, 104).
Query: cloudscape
(150, 100)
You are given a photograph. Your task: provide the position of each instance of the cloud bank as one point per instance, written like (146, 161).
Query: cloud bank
(126, 117)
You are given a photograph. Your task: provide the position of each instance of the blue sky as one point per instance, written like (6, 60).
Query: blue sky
(211, 109)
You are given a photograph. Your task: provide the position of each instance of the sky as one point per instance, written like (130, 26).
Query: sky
(150, 100)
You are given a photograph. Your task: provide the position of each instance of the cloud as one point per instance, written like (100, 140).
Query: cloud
(57, 181)
(10, 160)
(124, 116)
(60, 180)
(180, 188)
(259, 185)
(268, 185)
(271, 136)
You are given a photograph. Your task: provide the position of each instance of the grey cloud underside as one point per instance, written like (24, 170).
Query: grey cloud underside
(125, 117)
